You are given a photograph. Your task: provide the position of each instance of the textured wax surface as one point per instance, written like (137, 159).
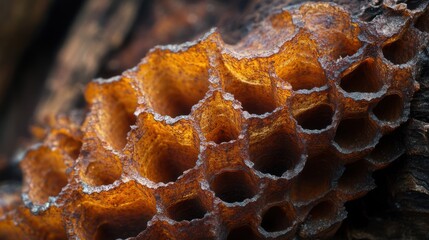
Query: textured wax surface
(265, 139)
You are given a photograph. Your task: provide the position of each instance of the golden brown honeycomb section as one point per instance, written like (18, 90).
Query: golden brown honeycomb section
(265, 139)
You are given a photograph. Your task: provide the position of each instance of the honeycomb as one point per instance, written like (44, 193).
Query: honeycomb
(264, 139)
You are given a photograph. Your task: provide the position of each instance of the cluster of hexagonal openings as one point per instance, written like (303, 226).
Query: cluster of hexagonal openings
(316, 118)
(389, 108)
(234, 186)
(403, 49)
(188, 209)
(365, 77)
(277, 218)
(275, 154)
(355, 133)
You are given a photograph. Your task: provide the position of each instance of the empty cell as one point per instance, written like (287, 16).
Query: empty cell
(234, 186)
(242, 233)
(98, 166)
(390, 147)
(389, 108)
(325, 210)
(355, 133)
(122, 212)
(315, 179)
(218, 119)
(403, 49)
(44, 174)
(355, 177)
(165, 151)
(316, 118)
(188, 210)
(277, 218)
(175, 81)
(362, 78)
(275, 153)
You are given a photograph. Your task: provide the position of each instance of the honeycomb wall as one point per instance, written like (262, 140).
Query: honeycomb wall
(265, 139)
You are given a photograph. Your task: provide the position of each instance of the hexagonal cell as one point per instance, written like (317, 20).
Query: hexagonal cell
(322, 221)
(402, 50)
(315, 180)
(121, 212)
(277, 218)
(218, 119)
(163, 152)
(274, 153)
(364, 77)
(239, 79)
(422, 22)
(390, 147)
(316, 118)
(390, 108)
(234, 186)
(174, 81)
(356, 180)
(66, 143)
(325, 210)
(296, 65)
(242, 233)
(355, 133)
(44, 174)
(109, 121)
(98, 166)
(188, 210)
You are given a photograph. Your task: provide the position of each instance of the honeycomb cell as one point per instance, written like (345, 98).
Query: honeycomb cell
(163, 152)
(389, 108)
(274, 151)
(296, 64)
(187, 210)
(98, 166)
(363, 77)
(355, 180)
(169, 88)
(316, 118)
(240, 83)
(111, 114)
(277, 218)
(403, 49)
(45, 174)
(228, 123)
(355, 133)
(315, 180)
(234, 186)
(121, 212)
(390, 147)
